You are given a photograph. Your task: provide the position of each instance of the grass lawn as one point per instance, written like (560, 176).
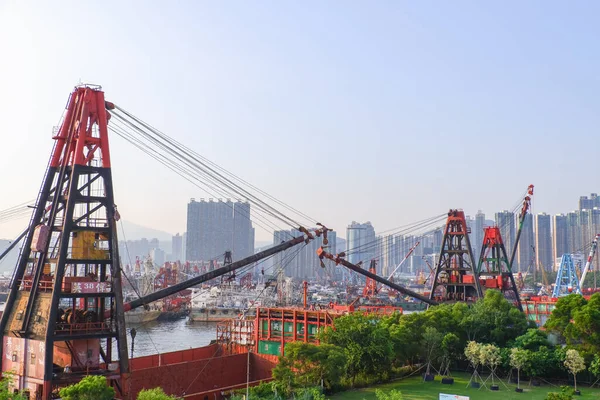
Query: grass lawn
(414, 388)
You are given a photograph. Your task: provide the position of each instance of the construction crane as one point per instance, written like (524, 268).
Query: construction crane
(522, 215)
(588, 262)
(499, 269)
(65, 310)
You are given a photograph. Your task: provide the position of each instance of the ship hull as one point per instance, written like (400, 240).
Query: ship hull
(140, 317)
(209, 314)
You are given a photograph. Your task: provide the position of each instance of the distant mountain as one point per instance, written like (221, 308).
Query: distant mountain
(134, 231)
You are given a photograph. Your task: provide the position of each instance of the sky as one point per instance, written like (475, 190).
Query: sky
(385, 111)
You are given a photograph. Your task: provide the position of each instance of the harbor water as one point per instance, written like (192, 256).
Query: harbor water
(156, 337)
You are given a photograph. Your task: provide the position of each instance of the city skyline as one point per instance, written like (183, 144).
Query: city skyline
(541, 246)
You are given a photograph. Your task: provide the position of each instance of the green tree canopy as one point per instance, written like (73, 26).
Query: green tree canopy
(532, 340)
(586, 323)
(365, 341)
(494, 320)
(306, 364)
(92, 387)
(594, 367)
(154, 394)
(6, 390)
(431, 345)
(559, 321)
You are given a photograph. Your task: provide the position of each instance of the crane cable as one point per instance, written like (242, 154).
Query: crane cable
(184, 153)
(226, 172)
(183, 170)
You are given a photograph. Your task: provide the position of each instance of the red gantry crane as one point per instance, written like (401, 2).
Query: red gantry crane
(64, 315)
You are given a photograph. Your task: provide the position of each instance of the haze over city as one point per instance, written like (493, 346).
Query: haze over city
(387, 112)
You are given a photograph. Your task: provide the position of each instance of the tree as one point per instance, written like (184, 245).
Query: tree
(559, 321)
(405, 336)
(574, 363)
(490, 355)
(365, 342)
(587, 326)
(306, 364)
(450, 351)
(518, 359)
(594, 368)
(532, 340)
(431, 345)
(92, 387)
(473, 354)
(494, 320)
(545, 361)
(154, 394)
(391, 395)
(6, 390)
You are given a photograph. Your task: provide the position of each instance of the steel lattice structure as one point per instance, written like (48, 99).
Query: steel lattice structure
(455, 278)
(65, 306)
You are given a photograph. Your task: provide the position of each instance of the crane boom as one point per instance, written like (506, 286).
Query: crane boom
(588, 262)
(524, 209)
(159, 294)
(339, 260)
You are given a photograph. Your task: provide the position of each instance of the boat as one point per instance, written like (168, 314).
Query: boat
(215, 314)
(141, 315)
(226, 301)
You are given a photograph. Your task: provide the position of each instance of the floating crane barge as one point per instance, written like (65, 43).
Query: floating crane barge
(64, 315)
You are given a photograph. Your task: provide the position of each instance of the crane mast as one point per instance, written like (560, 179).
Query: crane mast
(589, 262)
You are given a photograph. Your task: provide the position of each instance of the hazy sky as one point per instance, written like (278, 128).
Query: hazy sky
(383, 111)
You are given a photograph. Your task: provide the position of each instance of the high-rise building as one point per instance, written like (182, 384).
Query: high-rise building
(543, 242)
(361, 242)
(560, 232)
(243, 232)
(477, 234)
(301, 261)
(585, 231)
(505, 220)
(525, 246)
(387, 261)
(177, 247)
(590, 203)
(438, 235)
(214, 227)
(158, 256)
(286, 260)
(573, 232)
